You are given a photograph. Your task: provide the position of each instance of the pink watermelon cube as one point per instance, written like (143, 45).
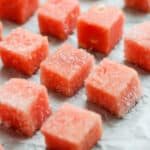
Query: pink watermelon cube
(66, 69)
(1, 31)
(1, 148)
(72, 128)
(137, 45)
(24, 105)
(17, 10)
(58, 17)
(113, 86)
(100, 28)
(142, 5)
(23, 50)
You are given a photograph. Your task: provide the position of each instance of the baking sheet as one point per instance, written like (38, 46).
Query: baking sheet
(130, 133)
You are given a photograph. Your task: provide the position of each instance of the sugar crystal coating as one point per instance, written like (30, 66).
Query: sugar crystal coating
(72, 128)
(100, 28)
(24, 105)
(23, 50)
(137, 45)
(66, 70)
(58, 17)
(113, 86)
(18, 11)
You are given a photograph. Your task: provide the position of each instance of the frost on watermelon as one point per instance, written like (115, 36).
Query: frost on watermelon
(1, 31)
(58, 17)
(66, 70)
(142, 5)
(100, 28)
(113, 86)
(137, 45)
(24, 105)
(23, 50)
(72, 128)
(17, 10)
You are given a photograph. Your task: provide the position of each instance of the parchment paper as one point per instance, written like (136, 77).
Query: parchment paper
(130, 133)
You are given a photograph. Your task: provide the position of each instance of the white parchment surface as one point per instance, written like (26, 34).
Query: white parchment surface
(130, 133)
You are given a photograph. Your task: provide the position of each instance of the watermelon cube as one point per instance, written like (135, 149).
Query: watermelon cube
(24, 105)
(1, 148)
(23, 50)
(100, 28)
(17, 10)
(66, 69)
(113, 86)
(58, 17)
(137, 45)
(72, 128)
(1, 31)
(142, 5)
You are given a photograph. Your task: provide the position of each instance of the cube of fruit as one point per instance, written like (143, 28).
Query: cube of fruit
(137, 45)
(72, 128)
(23, 50)
(23, 105)
(66, 69)
(100, 28)
(1, 31)
(1, 148)
(17, 10)
(58, 17)
(114, 87)
(143, 5)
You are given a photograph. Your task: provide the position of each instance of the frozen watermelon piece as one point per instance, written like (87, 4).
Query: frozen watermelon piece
(1, 148)
(17, 10)
(58, 17)
(1, 31)
(142, 5)
(66, 69)
(100, 28)
(24, 105)
(72, 128)
(137, 45)
(23, 50)
(113, 86)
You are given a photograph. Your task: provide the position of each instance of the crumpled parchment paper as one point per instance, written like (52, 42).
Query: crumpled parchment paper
(130, 133)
